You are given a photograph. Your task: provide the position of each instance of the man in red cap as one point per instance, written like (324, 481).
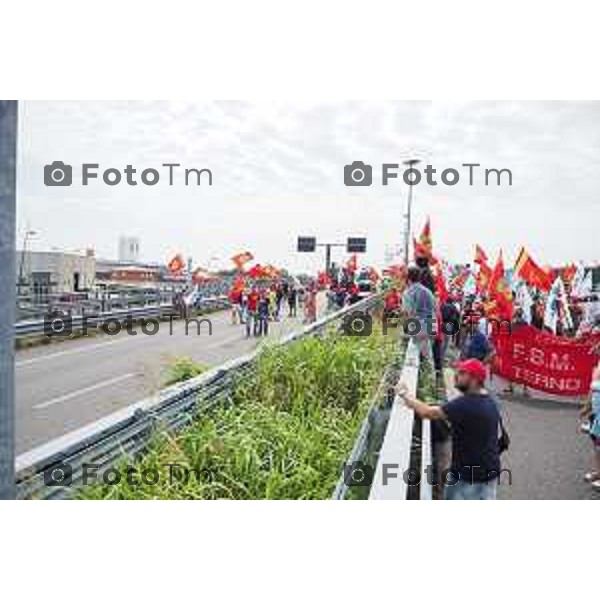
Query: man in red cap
(475, 421)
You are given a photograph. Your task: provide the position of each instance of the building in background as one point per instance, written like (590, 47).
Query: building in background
(129, 249)
(41, 274)
(111, 273)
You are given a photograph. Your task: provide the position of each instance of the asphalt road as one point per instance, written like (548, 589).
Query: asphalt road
(63, 386)
(547, 456)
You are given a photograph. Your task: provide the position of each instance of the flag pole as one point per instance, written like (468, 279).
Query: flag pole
(410, 164)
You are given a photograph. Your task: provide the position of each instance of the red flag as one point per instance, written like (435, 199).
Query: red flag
(528, 270)
(271, 272)
(201, 276)
(500, 296)
(176, 265)
(440, 285)
(459, 281)
(239, 260)
(480, 255)
(352, 264)
(485, 272)
(568, 273)
(257, 272)
(483, 278)
(238, 284)
(424, 247)
(323, 279)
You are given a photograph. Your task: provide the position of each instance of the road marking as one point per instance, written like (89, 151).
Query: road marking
(84, 390)
(30, 361)
(90, 347)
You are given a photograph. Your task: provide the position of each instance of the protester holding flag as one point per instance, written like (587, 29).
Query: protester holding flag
(252, 312)
(239, 260)
(235, 299)
(500, 305)
(528, 270)
(484, 273)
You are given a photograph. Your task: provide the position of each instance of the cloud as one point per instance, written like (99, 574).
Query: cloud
(278, 173)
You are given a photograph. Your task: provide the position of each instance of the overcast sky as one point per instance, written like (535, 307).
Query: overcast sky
(278, 173)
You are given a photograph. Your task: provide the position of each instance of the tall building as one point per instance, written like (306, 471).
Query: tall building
(129, 249)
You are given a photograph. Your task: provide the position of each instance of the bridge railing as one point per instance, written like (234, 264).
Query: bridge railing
(404, 451)
(404, 456)
(128, 431)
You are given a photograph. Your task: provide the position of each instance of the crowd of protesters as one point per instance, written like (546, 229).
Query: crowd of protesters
(454, 324)
(258, 304)
(472, 422)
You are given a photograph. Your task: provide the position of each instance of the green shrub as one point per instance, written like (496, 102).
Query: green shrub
(183, 368)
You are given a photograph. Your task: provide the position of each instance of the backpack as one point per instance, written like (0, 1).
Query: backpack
(504, 439)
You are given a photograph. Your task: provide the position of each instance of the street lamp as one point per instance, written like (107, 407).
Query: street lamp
(410, 164)
(29, 233)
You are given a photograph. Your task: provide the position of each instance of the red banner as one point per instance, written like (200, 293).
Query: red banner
(546, 362)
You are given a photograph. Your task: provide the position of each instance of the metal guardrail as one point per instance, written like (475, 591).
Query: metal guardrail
(360, 448)
(426, 488)
(24, 329)
(399, 448)
(128, 431)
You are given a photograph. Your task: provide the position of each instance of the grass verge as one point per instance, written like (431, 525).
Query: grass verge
(285, 433)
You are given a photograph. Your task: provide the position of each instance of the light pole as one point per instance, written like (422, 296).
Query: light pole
(410, 164)
(29, 233)
(8, 150)
(328, 248)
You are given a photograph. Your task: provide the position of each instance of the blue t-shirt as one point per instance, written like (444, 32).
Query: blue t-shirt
(476, 346)
(475, 421)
